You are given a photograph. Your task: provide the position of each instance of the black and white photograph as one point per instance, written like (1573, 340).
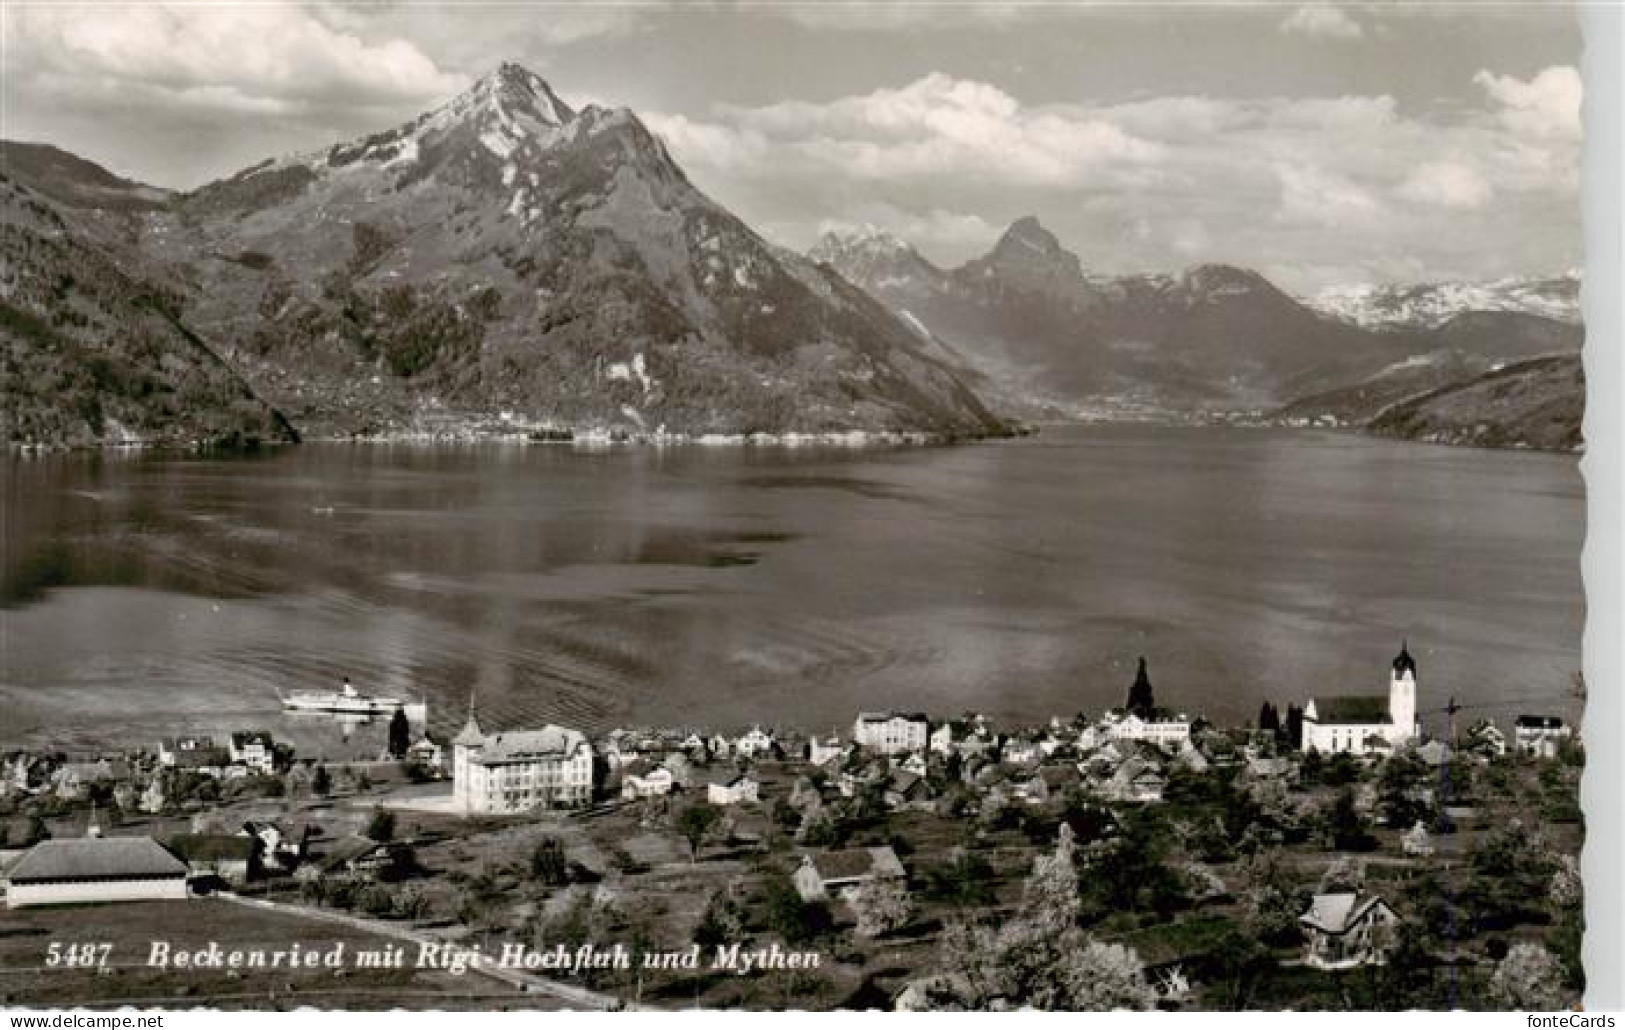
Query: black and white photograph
(932, 506)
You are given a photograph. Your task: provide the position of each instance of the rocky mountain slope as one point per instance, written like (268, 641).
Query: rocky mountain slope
(1535, 404)
(507, 255)
(94, 352)
(1037, 325)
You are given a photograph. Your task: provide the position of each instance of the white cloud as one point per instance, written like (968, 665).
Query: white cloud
(1315, 196)
(1546, 106)
(1447, 184)
(279, 59)
(1321, 21)
(935, 127)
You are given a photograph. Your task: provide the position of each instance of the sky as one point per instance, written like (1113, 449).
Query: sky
(1321, 144)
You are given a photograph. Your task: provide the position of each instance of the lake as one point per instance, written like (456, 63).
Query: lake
(725, 586)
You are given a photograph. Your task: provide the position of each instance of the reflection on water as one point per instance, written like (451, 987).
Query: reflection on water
(728, 586)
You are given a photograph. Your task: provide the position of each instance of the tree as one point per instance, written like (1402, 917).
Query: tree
(1345, 828)
(789, 915)
(695, 823)
(881, 907)
(1140, 700)
(722, 922)
(1049, 897)
(548, 863)
(1269, 720)
(1293, 728)
(400, 734)
(1343, 876)
(1273, 901)
(321, 782)
(35, 832)
(1529, 978)
(381, 827)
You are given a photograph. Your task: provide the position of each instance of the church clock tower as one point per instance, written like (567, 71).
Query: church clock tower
(1402, 695)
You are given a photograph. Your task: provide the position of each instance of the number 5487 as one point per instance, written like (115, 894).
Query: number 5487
(76, 956)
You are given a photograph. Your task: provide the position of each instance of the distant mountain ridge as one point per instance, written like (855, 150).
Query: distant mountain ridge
(1432, 304)
(1041, 328)
(504, 254)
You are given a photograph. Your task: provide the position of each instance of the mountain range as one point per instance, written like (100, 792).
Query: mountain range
(500, 254)
(1040, 329)
(506, 257)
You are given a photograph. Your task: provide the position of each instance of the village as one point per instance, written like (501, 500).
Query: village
(1331, 856)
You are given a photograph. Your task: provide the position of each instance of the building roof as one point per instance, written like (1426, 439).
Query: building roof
(243, 738)
(470, 735)
(213, 847)
(854, 863)
(1351, 711)
(549, 742)
(96, 858)
(1338, 913)
(1539, 722)
(888, 716)
(1403, 662)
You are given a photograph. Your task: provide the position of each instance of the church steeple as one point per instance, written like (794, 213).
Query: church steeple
(1403, 662)
(471, 735)
(1140, 701)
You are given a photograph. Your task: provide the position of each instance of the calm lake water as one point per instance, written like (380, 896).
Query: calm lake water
(723, 587)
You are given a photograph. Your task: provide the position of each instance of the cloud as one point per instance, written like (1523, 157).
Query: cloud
(1545, 107)
(1315, 196)
(937, 126)
(261, 59)
(1321, 21)
(1447, 184)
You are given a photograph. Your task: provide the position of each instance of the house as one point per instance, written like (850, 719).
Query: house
(426, 754)
(828, 749)
(720, 746)
(95, 869)
(915, 763)
(1365, 725)
(254, 750)
(941, 741)
(193, 754)
(891, 733)
(279, 847)
(520, 770)
(1135, 780)
(839, 873)
(733, 788)
(755, 743)
(1346, 930)
(908, 790)
(357, 857)
(641, 780)
(74, 779)
(1416, 842)
(1020, 751)
(1540, 735)
(1165, 729)
(232, 858)
(1486, 740)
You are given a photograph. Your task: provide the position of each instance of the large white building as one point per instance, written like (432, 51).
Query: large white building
(95, 869)
(1362, 725)
(520, 770)
(1165, 729)
(891, 733)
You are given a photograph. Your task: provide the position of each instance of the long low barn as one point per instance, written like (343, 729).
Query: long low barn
(91, 869)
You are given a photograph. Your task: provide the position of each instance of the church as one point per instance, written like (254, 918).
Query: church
(1363, 725)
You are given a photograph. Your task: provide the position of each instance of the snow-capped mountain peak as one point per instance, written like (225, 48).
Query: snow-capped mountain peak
(1425, 305)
